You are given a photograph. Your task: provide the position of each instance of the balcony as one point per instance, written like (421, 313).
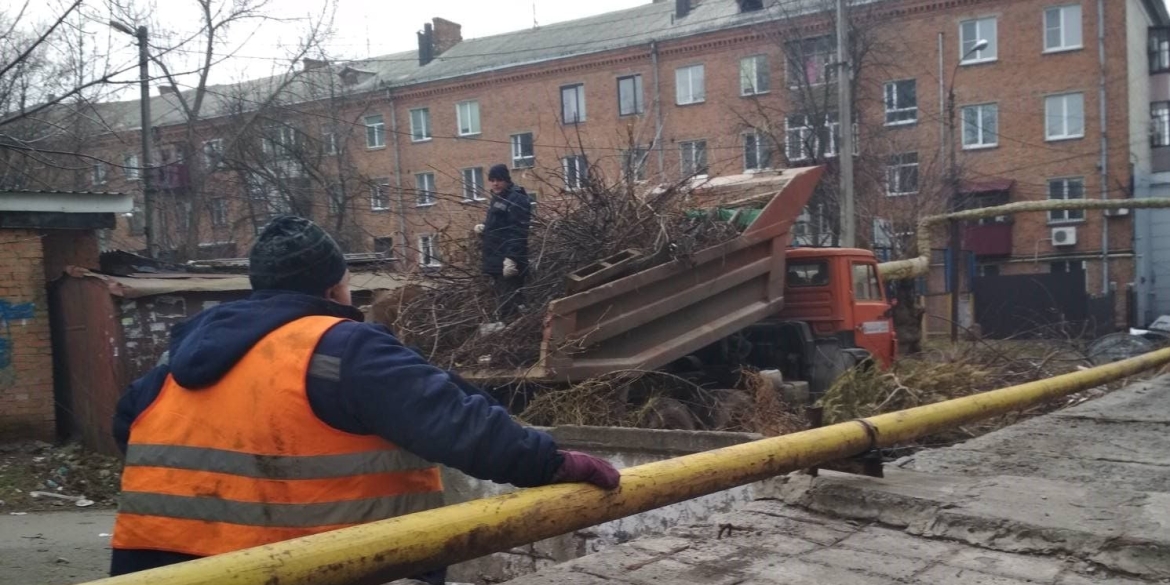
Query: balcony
(990, 239)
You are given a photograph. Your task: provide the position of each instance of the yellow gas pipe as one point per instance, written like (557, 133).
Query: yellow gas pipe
(382, 551)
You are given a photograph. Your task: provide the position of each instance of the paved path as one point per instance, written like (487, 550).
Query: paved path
(55, 548)
(1078, 497)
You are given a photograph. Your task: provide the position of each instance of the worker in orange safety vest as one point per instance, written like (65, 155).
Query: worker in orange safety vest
(283, 415)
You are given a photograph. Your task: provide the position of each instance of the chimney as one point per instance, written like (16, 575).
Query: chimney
(682, 8)
(311, 64)
(426, 45)
(447, 35)
(166, 90)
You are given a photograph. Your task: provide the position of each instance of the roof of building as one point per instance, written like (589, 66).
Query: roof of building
(58, 201)
(146, 285)
(631, 27)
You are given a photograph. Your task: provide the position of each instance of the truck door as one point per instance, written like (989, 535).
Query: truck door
(873, 328)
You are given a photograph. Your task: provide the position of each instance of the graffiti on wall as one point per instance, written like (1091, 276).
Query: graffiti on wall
(10, 312)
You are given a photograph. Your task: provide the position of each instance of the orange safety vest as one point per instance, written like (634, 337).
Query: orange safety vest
(245, 462)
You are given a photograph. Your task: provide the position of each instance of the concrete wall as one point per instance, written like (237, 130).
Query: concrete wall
(623, 448)
(26, 352)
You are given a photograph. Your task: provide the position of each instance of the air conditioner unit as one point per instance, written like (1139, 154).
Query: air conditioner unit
(1121, 212)
(1064, 236)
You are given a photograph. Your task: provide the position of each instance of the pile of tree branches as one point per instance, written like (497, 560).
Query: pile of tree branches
(568, 232)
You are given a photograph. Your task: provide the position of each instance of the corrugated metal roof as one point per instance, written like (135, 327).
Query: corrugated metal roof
(147, 285)
(610, 31)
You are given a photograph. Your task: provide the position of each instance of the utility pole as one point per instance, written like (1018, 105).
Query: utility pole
(956, 244)
(145, 168)
(845, 129)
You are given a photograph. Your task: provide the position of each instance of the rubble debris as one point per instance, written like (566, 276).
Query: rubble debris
(38, 475)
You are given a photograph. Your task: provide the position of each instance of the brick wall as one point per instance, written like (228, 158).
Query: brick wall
(26, 355)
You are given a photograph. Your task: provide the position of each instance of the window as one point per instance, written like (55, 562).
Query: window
(137, 221)
(213, 153)
(1066, 189)
(573, 103)
(901, 102)
(428, 251)
(807, 274)
(754, 77)
(987, 270)
(130, 167)
(468, 115)
(973, 31)
(811, 61)
(1159, 50)
(803, 140)
(380, 195)
(1062, 28)
(629, 95)
(1064, 116)
(329, 143)
(634, 164)
(335, 199)
(902, 174)
(1066, 266)
(99, 173)
(420, 125)
(576, 169)
(375, 132)
(689, 85)
(219, 212)
(980, 126)
(865, 283)
(523, 156)
(1160, 118)
(384, 247)
(694, 158)
(473, 184)
(424, 188)
(757, 151)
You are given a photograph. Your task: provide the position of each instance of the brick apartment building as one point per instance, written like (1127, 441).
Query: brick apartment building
(1069, 99)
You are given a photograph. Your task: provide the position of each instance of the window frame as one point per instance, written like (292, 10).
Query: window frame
(702, 93)
(375, 132)
(870, 279)
(474, 188)
(822, 270)
(334, 200)
(976, 57)
(759, 138)
(426, 134)
(685, 161)
(424, 195)
(389, 253)
(518, 145)
(1160, 124)
(893, 169)
(1065, 117)
(100, 175)
(580, 166)
(979, 109)
(891, 108)
(473, 112)
(429, 251)
(577, 91)
(827, 57)
(1158, 49)
(761, 78)
(637, 169)
(380, 193)
(1068, 216)
(219, 212)
(330, 141)
(1063, 28)
(130, 167)
(638, 94)
(212, 159)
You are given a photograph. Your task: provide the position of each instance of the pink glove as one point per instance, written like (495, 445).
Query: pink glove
(579, 467)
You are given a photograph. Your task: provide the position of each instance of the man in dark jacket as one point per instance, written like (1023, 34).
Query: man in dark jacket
(505, 239)
(361, 382)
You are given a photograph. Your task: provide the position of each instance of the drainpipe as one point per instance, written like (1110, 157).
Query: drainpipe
(1104, 147)
(942, 92)
(398, 179)
(658, 112)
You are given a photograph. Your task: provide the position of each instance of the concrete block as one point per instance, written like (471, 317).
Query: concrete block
(893, 542)
(943, 574)
(1007, 565)
(867, 562)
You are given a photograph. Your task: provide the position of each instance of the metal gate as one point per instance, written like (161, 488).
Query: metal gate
(1040, 305)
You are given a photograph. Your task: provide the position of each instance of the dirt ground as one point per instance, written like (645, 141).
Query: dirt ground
(55, 548)
(28, 470)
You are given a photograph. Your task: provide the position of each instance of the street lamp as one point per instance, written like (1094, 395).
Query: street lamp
(145, 175)
(956, 244)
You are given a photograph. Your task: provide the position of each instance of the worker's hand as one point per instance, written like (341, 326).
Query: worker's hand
(581, 467)
(479, 228)
(510, 268)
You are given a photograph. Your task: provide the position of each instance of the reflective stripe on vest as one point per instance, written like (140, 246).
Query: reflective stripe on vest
(245, 462)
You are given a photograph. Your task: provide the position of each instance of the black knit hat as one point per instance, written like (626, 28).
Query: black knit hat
(295, 254)
(499, 173)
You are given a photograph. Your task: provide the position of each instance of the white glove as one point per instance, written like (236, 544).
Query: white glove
(510, 268)
(479, 228)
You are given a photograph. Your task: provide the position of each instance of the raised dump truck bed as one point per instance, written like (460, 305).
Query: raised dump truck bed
(650, 318)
